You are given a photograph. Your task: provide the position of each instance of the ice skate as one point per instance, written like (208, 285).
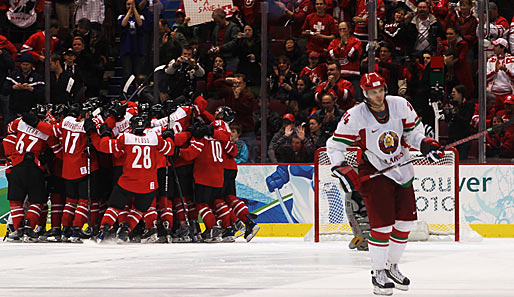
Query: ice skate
(122, 236)
(102, 234)
(400, 281)
(75, 235)
(196, 233)
(212, 235)
(29, 235)
(166, 233)
(228, 234)
(66, 234)
(52, 235)
(16, 236)
(182, 235)
(382, 285)
(149, 235)
(239, 226)
(251, 228)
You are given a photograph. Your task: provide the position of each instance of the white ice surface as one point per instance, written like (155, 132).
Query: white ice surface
(263, 268)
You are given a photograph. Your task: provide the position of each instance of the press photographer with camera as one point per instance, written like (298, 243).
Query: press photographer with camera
(458, 113)
(183, 72)
(218, 73)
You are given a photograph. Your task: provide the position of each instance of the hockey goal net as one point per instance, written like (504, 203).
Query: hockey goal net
(435, 187)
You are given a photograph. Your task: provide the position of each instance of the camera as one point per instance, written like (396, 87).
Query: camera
(185, 59)
(243, 35)
(218, 69)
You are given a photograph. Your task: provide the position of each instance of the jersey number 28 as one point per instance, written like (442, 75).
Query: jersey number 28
(147, 160)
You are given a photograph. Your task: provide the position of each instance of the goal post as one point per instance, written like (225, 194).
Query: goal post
(435, 187)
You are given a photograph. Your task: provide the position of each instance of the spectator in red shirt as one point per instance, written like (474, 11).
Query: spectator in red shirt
(341, 89)
(218, 73)
(35, 45)
(347, 51)
(361, 18)
(294, 13)
(464, 20)
(320, 28)
(458, 67)
(317, 72)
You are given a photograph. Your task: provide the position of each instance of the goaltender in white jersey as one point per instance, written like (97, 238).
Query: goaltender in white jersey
(384, 127)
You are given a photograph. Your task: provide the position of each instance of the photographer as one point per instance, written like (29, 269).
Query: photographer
(458, 113)
(183, 71)
(218, 73)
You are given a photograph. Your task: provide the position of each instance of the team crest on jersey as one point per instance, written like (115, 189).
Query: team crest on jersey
(388, 142)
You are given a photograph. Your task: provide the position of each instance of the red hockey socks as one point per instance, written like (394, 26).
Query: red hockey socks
(44, 216)
(133, 218)
(57, 201)
(150, 216)
(17, 213)
(110, 216)
(81, 213)
(193, 210)
(95, 213)
(222, 212)
(165, 210)
(33, 214)
(207, 216)
(177, 205)
(122, 218)
(239, 207)
(69, 211)
(378, 243)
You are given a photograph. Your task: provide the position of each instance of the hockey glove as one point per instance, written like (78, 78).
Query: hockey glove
(431, 149)
(168, 133)
(105, 130)
(348, 178)
(30, 118)
(198, 130)
(278, 178)
(119, 111)
(89, 126)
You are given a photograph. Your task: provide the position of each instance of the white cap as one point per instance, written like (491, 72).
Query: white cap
(501, 41)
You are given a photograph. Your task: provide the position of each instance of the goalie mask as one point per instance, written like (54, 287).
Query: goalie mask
(224, 113)
(138, 124)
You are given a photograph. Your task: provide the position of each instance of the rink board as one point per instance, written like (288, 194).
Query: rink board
(486, 196)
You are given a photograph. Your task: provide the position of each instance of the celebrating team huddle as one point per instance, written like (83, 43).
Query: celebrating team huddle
(133, 172)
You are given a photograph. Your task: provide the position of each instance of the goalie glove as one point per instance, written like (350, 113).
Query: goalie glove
(431, 149)
(348, 178)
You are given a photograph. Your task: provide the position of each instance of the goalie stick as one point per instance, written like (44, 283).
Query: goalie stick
(453, 144)
(283, 206)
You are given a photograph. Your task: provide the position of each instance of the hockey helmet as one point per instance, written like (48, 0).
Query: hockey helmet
(227, 112)
(138, 124)
(371, 81)
(144, 108)
(39, 110)
(157, 110)
(59, 110)
(74, 110)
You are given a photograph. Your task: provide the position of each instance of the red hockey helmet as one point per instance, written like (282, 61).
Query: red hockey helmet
(372, 80)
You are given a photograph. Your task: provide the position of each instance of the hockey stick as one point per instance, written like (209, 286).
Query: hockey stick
(127, 85)
(283, 206)
(88, 185)
(453, 144)
(147, 79)
(5, 168)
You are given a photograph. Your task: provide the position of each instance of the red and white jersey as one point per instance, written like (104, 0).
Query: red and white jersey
(342, 91)
(229, 148)
(28, 140)
(501, 82)
(74, 141)
(361, 28)
(316, 74)
(348, 55)
(141, 155)
(36, 45)
(207, 154)
(325, 25)
(384, 142)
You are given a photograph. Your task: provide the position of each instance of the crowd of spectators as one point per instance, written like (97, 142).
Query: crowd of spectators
(316, 56)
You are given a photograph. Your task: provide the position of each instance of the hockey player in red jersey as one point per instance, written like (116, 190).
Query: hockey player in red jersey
(139, 178)
(384, 127)
(26, 176)
(77, 166)
(224, 116)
